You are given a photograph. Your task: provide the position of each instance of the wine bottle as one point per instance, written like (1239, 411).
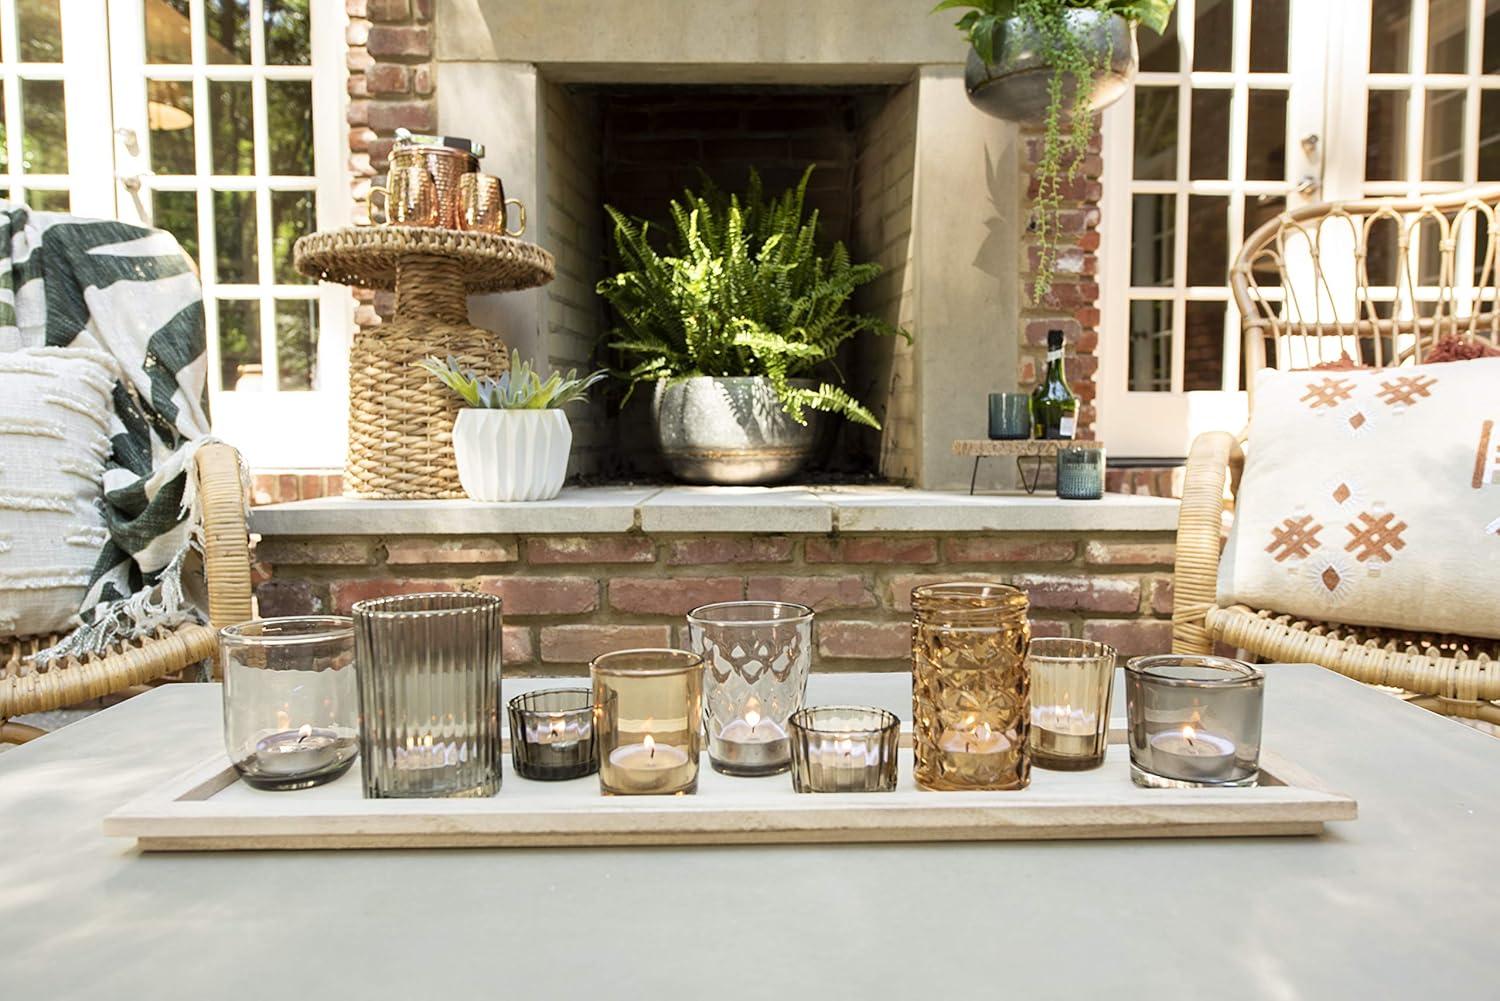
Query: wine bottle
(1054, 408)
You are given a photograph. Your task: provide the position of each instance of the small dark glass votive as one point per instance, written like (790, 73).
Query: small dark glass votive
(552, 734)
(1193, 721)
(1080, 473)
(1010, 416)
(844, 749)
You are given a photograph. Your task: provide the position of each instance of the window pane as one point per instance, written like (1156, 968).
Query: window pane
(234, 236)
(177, 213)
(226, 24)
(1265, 150)
(1489, 136)
(1382, 252)
(1390, 36)
(239, 344)
(1208, 247)
(39, 30)
(1150, 346)
(1484, 271)
(289, 126)
(1268, 36)
(1203, 346)
(1208, 152)
(288, 32)
(1385, 136)
(1261, 209)
(292, 216)
(1152, 237)
(4, 144)
(1213, 34)
(44, 133)
(1490, 58)
(233, 133)
(169, 32)
(1443, 138)
(297, 343)
(169, 113)
(1156, 133)
(1447, 35)
(1158, 53)
(49, 201)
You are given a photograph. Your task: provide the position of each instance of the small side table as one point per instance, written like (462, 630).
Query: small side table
(1037, 448)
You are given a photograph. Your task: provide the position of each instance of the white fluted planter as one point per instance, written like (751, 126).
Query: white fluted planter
(512, 455)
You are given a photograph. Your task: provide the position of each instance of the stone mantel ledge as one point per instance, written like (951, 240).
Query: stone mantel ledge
(598, 510)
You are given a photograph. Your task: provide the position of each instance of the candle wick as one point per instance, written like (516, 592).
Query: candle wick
(652, 753)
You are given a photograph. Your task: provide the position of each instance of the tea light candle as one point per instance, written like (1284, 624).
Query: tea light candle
(296, 752)
(558, 733)
(752, 744)
(1063, 730)
(973, 738)
(1192, 755)
(649, 766)
(422, 753)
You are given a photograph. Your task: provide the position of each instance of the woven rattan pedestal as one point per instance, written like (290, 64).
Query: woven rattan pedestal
(400, 418)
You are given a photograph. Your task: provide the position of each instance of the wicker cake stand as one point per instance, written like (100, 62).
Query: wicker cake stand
(400, 418)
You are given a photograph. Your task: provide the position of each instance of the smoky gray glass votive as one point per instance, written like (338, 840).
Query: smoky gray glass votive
(1010, 416)
(844, 749)
(552, 734)
(429, 695)
(1080, 473)
(1193, 721)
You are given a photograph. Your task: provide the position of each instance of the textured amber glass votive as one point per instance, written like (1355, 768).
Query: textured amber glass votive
(844, 749)
(552, 734)
(1193, 721)
(970, 706)
(648, 706)
(1070, 688)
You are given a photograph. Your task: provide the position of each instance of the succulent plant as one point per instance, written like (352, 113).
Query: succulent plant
(521, 388)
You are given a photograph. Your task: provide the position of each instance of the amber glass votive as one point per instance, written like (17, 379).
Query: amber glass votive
(648, 705)
(1193, 721)
(1070, 688)
(970, 706)
(844, 749)
(552, 734)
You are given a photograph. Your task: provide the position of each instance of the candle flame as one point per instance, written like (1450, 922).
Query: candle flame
(650, 746)
(982, 732)
(847, 746)
(1188, 733)
(304, 733)
(283, 719)
(752, 717)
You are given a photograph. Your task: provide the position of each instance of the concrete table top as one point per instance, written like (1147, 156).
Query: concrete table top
(1395, 904)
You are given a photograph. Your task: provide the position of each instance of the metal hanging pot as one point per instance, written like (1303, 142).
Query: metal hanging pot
(1015, 86)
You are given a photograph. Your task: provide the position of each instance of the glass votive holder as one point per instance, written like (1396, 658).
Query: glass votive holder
(648, 708)
(756, 657)
(429, 693)
(552, 734)
(1010, 416)
(1193, 721)
(291, 705)
(1071, 681)
(970, 694)
(844, 749)
(1080, 473)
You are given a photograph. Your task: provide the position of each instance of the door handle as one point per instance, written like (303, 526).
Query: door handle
(132, 182)
(1308, 184)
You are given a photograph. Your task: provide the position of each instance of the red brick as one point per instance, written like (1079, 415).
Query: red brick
(864, 640)
(422, 9)
(515, 645)
(820, 593)
(387, 116)
(421, 79)
(1131, 637)
(315, 552)
(671, 595)
(289, 597)
(1049, 627)
(1162, 593)
(580, 644)
(993, 549)
(734, 549)
(862, 549)
(1130, 553)
(387, 40)
(357, 8)
(411, 552)
(358, 113)
(1064, 592)
(347, 592)
(389, 10)
(357, 33)
(543, 595)
(388, 78)
(901, 586)
(590, 549)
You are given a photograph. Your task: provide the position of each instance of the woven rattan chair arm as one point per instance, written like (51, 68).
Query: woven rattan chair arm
(226, 539)
(1199, 530)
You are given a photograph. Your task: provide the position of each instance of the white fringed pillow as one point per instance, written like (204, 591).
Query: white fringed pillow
(54, 439)
(1372, 497)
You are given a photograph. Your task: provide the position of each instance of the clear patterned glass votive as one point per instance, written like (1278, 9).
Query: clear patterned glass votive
(552, 734)
(1010, 416)
(647, 718)
(970, 694)
(429, 693)
(291, 706)
(1071, 682)
(1080, 473)
(844, 749)
(1193, 721)
(756, 656)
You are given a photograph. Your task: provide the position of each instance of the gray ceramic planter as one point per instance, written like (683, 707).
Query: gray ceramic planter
(1014, 86)
(730, 431)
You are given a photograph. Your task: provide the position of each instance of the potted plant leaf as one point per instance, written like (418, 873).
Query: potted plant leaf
(1055, 62)
(512, 440)
(735, 322)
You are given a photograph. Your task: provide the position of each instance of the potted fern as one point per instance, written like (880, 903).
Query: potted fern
(735, 323)
(512, 440)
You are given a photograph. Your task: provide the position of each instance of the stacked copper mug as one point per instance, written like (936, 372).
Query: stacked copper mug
(435, 181)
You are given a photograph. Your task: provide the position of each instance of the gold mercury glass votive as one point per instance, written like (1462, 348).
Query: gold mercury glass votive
(970, 695)
(1071, 680)
(844, 749)
(648, 705)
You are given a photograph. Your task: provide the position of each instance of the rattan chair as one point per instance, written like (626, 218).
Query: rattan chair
(1379, 281)
(226, 564)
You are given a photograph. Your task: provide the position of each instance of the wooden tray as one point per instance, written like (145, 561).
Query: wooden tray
(209, 809)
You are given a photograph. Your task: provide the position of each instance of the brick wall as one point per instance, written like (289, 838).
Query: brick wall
(568, 599)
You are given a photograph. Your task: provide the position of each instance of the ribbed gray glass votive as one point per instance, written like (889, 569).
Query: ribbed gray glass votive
(552, 734)
(844, 749)
(429, 695)
(1010, 416)
(1080, 473)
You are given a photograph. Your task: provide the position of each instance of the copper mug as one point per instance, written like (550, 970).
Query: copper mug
(445, 168)
(482, 205)
(411, 198)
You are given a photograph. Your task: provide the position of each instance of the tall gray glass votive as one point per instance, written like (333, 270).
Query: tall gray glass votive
(1010, 416)
(429, 695)
(1080, 473)
(1193, 721)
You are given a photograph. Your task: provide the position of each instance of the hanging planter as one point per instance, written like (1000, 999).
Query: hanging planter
(1016, 84)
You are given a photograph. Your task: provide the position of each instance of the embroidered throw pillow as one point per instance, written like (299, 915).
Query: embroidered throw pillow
(1372, 497)
(54, 424)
